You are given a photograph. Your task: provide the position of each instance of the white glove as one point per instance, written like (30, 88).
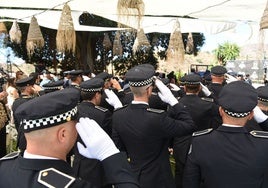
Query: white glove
(112, 99)
(165, 93)
(205, 90)
(230, 78)
(174, 87)
(259, 116)
(98, 144)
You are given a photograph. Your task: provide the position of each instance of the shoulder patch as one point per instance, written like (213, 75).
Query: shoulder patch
(260, 134)
(54, 178)
(101, 108)
(206, 131)
(12, 155)
(155, 110)
(207, 99)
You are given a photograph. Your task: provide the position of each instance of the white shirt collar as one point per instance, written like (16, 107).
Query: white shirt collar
(34, 156)
(139, 102)
(229, 125)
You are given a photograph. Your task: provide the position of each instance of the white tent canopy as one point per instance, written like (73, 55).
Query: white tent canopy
(213, 16)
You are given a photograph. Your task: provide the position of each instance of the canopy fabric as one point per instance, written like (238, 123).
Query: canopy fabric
(213, 16)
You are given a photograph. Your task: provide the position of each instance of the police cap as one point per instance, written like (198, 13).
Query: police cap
(263, 93)
(49, 110)
(92, 85)
(25, 81)
(218, 70)
(192, 79)
(140, 75)
(104, 75)
(57, 85)
(238, 99)
(75, 72)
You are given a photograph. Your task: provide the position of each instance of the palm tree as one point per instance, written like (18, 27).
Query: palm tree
(226, 51)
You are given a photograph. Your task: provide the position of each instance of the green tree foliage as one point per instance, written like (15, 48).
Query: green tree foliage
(227, 51)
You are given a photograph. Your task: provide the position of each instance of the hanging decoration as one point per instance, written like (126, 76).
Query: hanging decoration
(264, 18)
(15, 33)
(190, 44)
(34, 38)
(130, 11)
(106, 42)
(175, 49)
(3, 28)
(263, 26)
(141, 42)
(117, 45)
(66, 37)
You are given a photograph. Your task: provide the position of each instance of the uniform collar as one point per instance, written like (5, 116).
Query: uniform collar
(241, 129)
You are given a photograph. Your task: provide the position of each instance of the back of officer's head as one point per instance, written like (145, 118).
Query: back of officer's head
(238, 99)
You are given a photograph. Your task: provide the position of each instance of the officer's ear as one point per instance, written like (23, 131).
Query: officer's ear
(251, 115)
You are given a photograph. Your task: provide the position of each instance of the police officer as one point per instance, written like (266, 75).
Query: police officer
(27, 92)
(144, 133)
(262, 104)
(50, 125)
(52, 86)
(217, 79)
(229, 156)
(202, 110)
(76, 78)
(91, 92)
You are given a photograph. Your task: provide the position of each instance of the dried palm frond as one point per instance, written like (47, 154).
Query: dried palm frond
(106, 42)
(34, 38)
(126, 9)
(66, 36)
(117, 46)
(141, 42)
(176, 48)
(190, 44)
(3, 28)
(15, 33)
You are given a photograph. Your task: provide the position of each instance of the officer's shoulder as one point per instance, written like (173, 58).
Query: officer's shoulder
(207, 99)
(54, 178)
(154, 110)
(259, 134)
(101, 108)
(9, 156)
(203, 132)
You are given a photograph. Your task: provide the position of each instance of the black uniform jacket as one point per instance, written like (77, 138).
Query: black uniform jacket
(17, 171)
(21, 141)
(144, 134)
(227, 157)
(91, 169)
(204, 113)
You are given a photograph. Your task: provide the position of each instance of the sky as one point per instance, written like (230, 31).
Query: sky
(241, 35)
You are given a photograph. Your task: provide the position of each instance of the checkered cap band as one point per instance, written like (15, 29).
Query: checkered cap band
(262, 99)
(91, 90)
(141, 83)
(191, 83)
(235, 114)
(53, 88)
(29, 125)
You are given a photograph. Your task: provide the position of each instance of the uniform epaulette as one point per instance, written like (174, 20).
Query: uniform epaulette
(54, 178)
(12, 155)
(206, 131)
(155, 110)
(260, 134)
(207, 99)
(101, 108)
